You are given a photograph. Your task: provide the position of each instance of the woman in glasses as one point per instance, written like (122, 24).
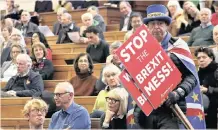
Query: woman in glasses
(84, 81)
(208, 76)
(35, 111)
(110, 77)
(115, 114)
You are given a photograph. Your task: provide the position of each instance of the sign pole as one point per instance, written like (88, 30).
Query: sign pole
(176, 109)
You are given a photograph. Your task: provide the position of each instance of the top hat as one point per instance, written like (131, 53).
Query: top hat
(157, 12)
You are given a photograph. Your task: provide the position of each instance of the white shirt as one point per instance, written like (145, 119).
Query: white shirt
(10, 72)
(126, 22)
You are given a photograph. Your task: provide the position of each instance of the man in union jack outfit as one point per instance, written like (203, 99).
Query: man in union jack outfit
(187, 93)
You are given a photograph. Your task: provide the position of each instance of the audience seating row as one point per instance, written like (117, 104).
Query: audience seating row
(110, 15)
(12, 107)
(22, 123)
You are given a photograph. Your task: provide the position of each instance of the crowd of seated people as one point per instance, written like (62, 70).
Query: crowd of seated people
(24, 67)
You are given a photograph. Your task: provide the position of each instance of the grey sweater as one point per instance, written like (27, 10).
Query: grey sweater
(201, 36)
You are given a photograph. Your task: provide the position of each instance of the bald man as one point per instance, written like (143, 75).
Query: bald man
(26, 27)
(202, 35)
(71, 115)
(126, 10)
(66, 26)
(26, 83)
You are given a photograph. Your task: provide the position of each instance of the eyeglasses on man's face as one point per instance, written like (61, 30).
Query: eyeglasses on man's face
(111, 100)
(60, 94)
(37, 110)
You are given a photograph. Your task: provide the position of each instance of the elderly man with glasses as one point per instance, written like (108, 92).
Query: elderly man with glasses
(71, 115)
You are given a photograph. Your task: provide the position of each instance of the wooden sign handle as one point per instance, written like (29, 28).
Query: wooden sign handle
(176, 109)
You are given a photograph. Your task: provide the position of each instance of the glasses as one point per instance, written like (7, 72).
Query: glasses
(43, 111)
(81, 61)
(60, 94)
(111, 100)
(110, 75)
(17, 52)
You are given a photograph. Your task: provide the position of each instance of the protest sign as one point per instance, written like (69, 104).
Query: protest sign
(135, 93)
(149, 66)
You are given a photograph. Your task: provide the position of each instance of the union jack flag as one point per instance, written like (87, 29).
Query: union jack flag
(195, 111)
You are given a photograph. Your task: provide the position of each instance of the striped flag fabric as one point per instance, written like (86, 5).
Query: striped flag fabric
(195, 111)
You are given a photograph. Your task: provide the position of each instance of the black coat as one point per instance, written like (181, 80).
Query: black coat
(45, 69)
(33, 84)
(31, 29)
(63, 36)
(208, 77)
(115, 123)
(122, 19)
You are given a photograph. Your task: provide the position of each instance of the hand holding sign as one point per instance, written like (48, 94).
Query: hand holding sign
(149, 66)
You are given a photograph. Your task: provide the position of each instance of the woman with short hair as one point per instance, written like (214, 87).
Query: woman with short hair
(208, 76)
(6, 32)
(116, 110)
(40, 63)
(84, 81)
(110, 77)
(35, 111)
(9, 68)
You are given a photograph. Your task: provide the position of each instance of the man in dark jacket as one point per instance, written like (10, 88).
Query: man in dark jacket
(26, 83)
(163, 118)
(66, 26)
(126, 10)
(26, 27)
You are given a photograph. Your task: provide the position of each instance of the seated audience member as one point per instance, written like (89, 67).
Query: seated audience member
(98, 49)
(26, 27)
(96, 16)
(66, 26)
(88, 21)
(136, 21)
(64, 4)
(35, 111)
(42, 6)
(191, 14)
(39, 37)
(202, 35)
(16, 38)
(84, 81)
(57, 25)
(40, 63)
(208, 76)
(126, 10)
(116, 112)
(110, 78)
(26, 83)
(177, 15)
(9, 68)
(12, 8)
(71, 115)
(6, 33)
(112, 58)
(215, 39)
(214, 19)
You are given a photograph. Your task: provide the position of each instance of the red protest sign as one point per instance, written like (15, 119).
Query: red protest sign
(149, 66)
(135, 93)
